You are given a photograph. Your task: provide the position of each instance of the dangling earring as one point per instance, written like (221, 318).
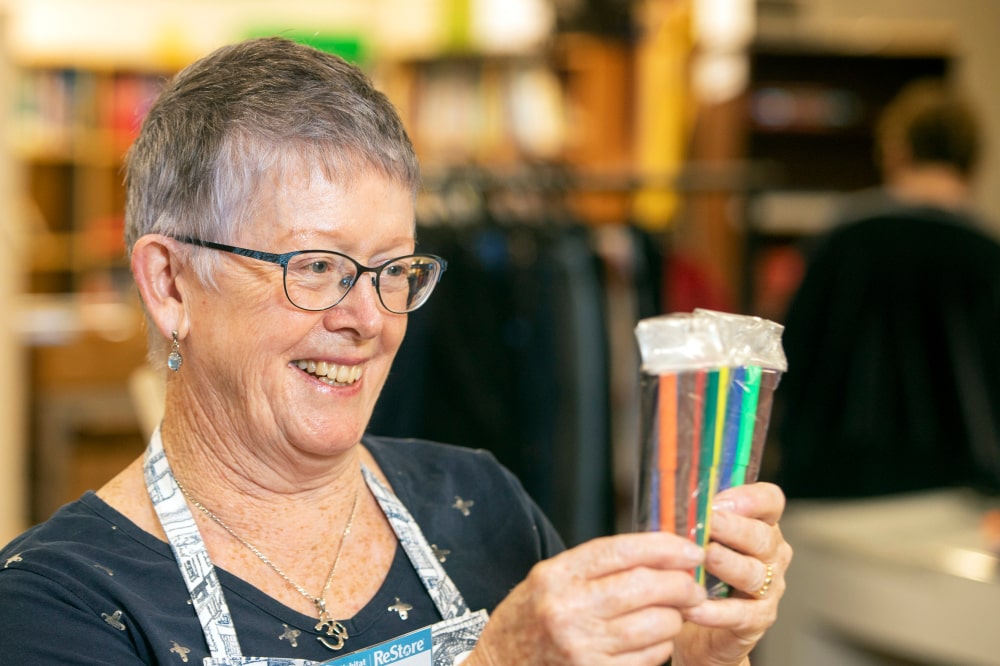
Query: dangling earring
(174, 359)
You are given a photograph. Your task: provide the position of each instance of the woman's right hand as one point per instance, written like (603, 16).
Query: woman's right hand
(613, 600)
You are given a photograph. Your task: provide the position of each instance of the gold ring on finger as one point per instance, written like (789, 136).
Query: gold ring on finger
(768, 579)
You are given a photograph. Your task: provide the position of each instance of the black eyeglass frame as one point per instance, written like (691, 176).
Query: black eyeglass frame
(285, 257)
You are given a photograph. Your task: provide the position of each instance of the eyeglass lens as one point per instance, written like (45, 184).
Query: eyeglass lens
(320, 280)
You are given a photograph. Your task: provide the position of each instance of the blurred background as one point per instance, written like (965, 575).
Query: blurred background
(587, 163)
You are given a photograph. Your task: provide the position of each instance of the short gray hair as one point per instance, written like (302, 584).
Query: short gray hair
(249, 111)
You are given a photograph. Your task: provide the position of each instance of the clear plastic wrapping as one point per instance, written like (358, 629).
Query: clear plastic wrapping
(707, 386)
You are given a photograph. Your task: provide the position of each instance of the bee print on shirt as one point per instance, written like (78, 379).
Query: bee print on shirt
(180, 650)
(291, 635)
(462, 505)
(440, 553)
(402, 608)
(115, 620)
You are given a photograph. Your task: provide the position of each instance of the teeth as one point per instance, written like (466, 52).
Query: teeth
(331, 373)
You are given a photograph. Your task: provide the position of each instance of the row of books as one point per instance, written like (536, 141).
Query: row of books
(73, 113)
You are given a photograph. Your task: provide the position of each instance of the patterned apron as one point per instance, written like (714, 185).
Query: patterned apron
(452, 638)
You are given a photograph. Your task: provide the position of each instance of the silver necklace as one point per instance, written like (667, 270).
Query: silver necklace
(335, 633)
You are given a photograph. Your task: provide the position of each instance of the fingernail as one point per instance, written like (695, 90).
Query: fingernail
(724, 505)
(693, 553)
(696, 613)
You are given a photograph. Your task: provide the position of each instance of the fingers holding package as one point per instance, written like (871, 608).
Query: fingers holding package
(749, 552)
(631, 599)
(614, 600)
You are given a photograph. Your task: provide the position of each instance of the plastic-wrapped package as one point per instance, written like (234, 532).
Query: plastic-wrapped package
(707, 387)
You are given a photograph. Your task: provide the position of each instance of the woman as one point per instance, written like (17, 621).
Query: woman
(261, 521)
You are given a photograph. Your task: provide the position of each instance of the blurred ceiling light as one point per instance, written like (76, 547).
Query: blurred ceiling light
(724, 25)
(719, 77)
(723, 31)
(511, 25)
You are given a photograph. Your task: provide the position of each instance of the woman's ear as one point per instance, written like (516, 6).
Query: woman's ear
(156, 268)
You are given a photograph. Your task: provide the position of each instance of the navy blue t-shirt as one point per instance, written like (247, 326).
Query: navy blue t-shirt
(88, 586)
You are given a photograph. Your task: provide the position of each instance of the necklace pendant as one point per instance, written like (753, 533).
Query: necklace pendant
(334, 630)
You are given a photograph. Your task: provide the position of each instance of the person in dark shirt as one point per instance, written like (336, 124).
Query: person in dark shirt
(270, 225)
(892, 382)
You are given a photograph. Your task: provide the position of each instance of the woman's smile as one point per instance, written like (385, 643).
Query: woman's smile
(333, 374)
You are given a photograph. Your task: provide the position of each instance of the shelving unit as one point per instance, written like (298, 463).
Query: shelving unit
(566, 105)
(13, 398)
(81, 320)
(73, 128)
(811, 113)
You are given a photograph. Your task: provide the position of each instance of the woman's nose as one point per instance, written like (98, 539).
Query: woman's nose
(362, 305)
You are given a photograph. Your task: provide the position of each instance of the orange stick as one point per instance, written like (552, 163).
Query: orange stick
(667, 463)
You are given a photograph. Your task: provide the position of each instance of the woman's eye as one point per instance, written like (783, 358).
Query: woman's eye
(319, 267)
(394, 270)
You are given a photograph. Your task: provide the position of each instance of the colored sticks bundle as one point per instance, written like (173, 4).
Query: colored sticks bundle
(708, 381)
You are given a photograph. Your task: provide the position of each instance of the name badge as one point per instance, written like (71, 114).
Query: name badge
(446, 643)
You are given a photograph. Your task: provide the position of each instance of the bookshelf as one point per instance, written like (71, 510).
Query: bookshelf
(73, 128)
(80, 319)
(13, 401)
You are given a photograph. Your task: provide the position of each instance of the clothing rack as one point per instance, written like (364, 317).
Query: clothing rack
(517, 351)
(694, 178)
(527, 347)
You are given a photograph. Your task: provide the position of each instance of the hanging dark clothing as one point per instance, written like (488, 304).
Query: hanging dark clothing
(511, 355)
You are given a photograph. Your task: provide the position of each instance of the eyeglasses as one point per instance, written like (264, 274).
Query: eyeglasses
(320, 279)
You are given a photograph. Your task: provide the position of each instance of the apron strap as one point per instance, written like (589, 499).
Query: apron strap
(190, 552)
(442, 590)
